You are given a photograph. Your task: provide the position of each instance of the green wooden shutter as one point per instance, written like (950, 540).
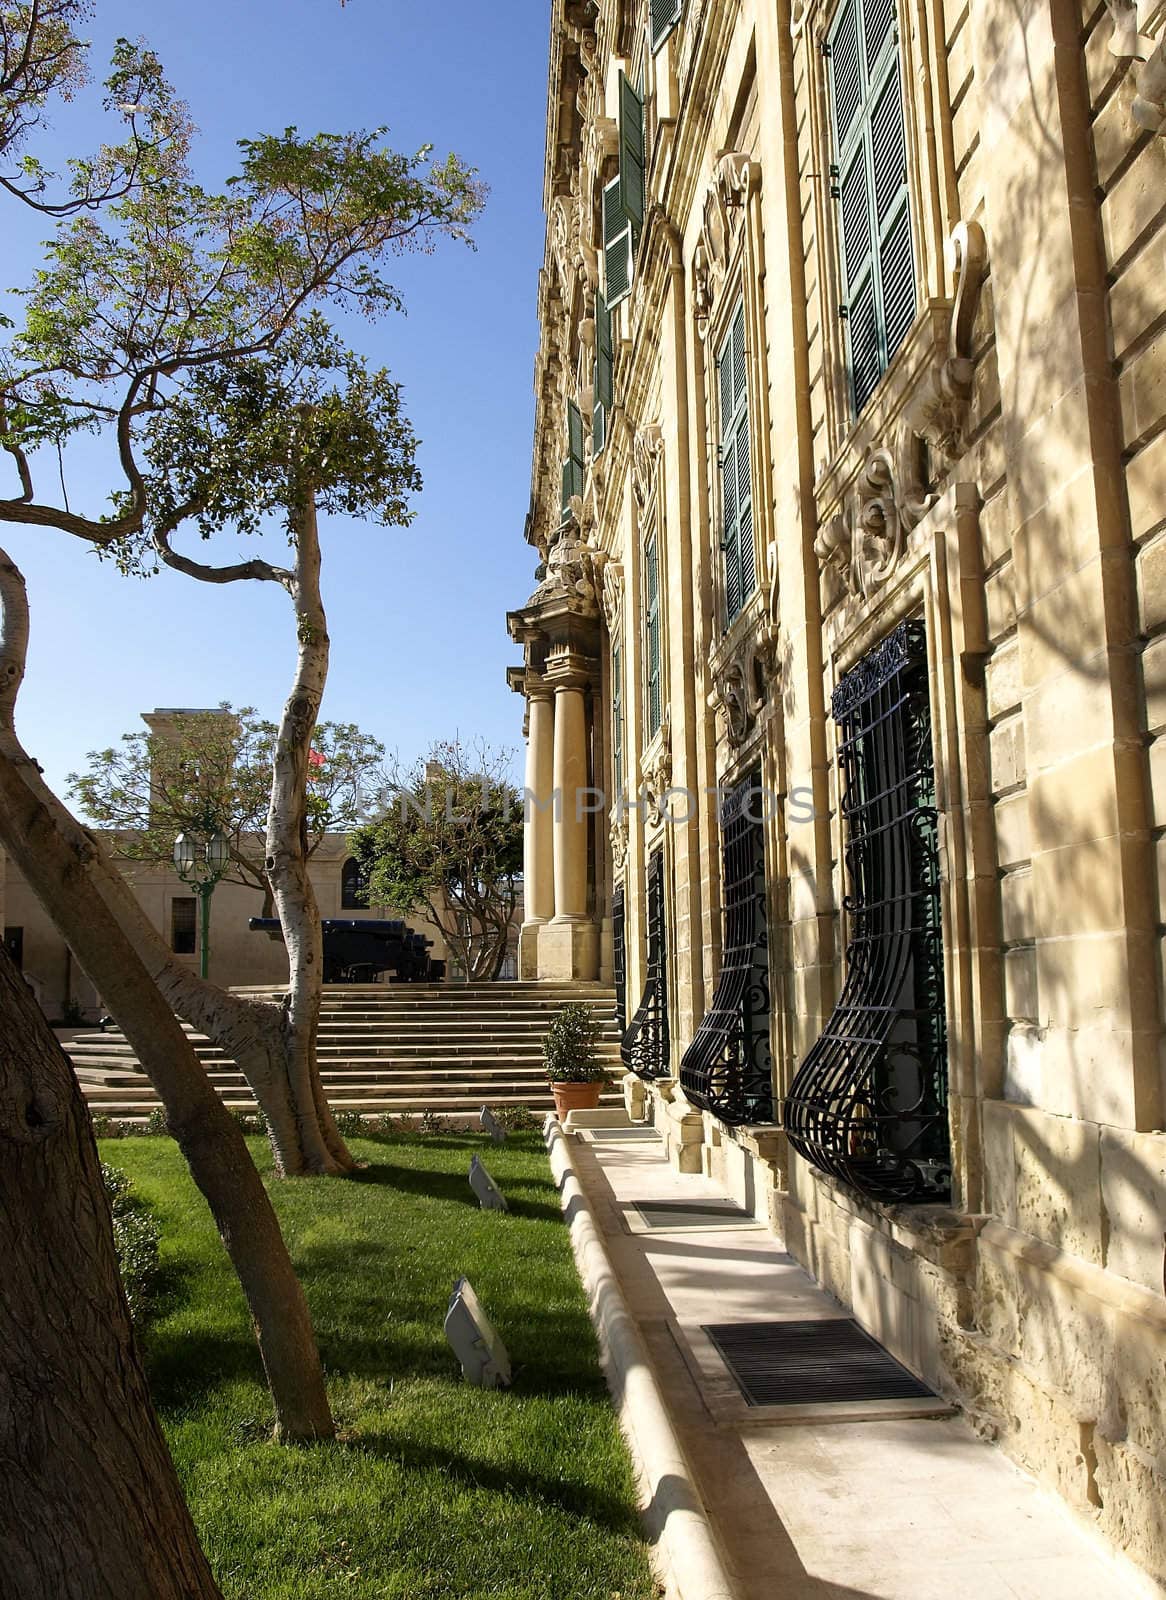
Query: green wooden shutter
(663, 15)
(878, 268)
(652, 707)
(573, 465)
(604, 375)
(740, 561)
(631, 154)
(617, 246)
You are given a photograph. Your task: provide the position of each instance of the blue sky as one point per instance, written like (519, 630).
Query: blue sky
(417, 615)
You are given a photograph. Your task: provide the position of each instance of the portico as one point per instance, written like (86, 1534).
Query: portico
(559, 631)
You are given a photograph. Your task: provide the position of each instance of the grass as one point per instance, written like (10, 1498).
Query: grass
(436, 1488)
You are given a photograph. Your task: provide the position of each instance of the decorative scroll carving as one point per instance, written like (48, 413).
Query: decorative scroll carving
(864, 542)
(646, 451)
(617, 835)
(691, 38)
(734, 178)
(938, 410)
(742, 681)
(656, 766)
(613, 594)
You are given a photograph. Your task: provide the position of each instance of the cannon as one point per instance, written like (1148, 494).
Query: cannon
(357, 951)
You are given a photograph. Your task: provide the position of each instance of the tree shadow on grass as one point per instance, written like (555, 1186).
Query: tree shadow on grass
(455, 1187)
(579, 1500)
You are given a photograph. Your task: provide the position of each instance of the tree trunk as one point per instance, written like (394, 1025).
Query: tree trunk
(288, 851)
(67, 870)
(93, 1509)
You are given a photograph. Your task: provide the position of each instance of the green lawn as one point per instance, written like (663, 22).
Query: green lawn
(437, 1489)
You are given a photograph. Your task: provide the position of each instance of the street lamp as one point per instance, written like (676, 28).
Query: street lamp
(201, 860)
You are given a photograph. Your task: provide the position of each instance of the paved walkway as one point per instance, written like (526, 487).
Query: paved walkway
(883, 1508)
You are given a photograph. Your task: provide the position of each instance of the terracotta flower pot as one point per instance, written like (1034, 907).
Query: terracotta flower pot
(575, 1097)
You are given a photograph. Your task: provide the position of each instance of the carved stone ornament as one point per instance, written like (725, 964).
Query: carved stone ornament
(1149, 104)
(938, 410)
(734, 178)
(656, 766)
(742, 682)
(647, 448)
(694, 17)
(613, 594)
(570, 570)
(864, 542)
(617, 835)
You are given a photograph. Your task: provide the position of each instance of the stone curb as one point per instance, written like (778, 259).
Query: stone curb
(674, 1513)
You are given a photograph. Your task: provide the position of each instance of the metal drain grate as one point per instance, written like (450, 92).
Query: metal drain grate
(694, 1214)
(812, 1363)
(620, 1135)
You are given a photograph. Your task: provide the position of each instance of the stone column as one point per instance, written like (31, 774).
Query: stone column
(538, 848)
(537, 836)
(570, 779)
(569, 944)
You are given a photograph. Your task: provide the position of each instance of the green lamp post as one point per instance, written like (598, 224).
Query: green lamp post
(201, 860)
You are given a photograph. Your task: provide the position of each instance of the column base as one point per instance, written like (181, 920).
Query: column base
(568, 950)
(528, 949)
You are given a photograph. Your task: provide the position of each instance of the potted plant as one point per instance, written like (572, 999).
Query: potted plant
(572, 1061)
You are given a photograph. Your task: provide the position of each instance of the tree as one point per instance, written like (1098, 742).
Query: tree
(42, 58)
(93, 1506)
(177, 326)
(169, 282)
(212, 770)
(450, 842)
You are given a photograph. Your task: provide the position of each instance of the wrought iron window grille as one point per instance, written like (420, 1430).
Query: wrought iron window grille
(728, 1069)
(619, 965)
(644, 1048)
(869, 1102)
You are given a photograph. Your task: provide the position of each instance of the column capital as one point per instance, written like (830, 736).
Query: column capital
(537, 687)
(566, 668)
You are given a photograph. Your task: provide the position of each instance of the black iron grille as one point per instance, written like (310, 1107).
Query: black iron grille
(727, 1068)
(869, 1102)
(644, 1047)
(619, 960)
(812, 1363)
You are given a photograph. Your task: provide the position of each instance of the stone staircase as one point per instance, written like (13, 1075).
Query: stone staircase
(385, 1049)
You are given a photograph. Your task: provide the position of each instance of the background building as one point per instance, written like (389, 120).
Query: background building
(849, 499)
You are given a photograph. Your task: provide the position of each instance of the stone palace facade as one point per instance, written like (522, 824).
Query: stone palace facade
(849, 505)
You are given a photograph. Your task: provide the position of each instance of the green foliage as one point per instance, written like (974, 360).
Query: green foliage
(136, 1236)
(449, 842)
(185, 329)
(435, 1489)
(569, 1046)
(156, 1126)
(212, 771)
(350, 1124)
(251, 1122)
(105, 1127)
(518, 1119)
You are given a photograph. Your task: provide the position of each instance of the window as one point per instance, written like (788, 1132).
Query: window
(736, 481)
(604, 375)
(182, 925)
(869, 1103)
(728, 1069)
(623, 198)
(617, 719)
(663, 15)
(644, 1048)
(573, 465)
(653, 707)
(870, 184)
(353, 887)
